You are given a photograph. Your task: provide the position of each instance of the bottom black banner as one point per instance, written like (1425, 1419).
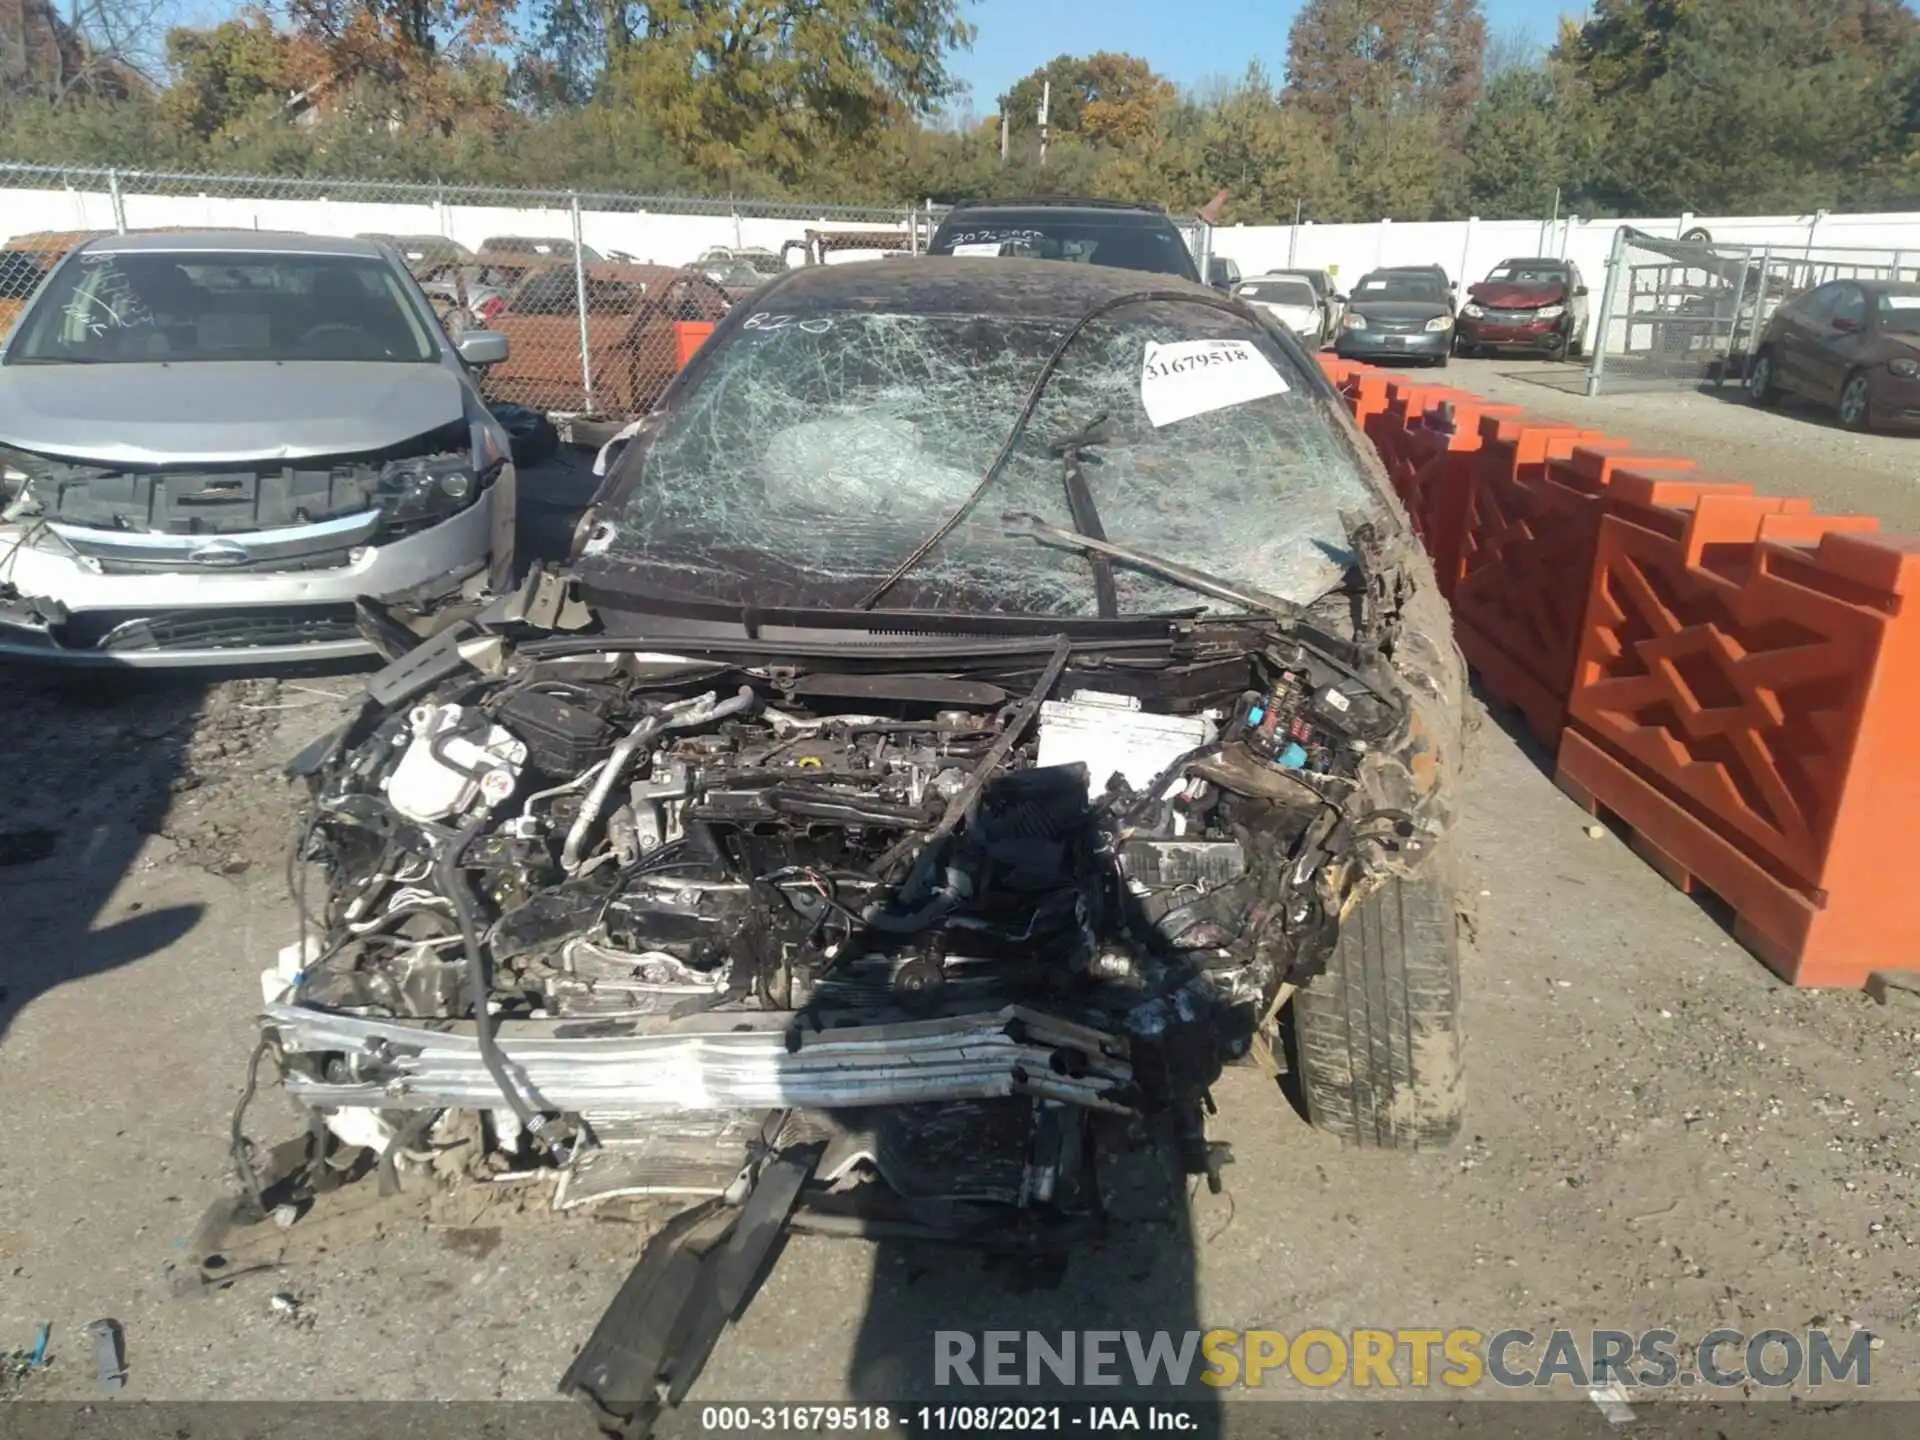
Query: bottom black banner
(1568, 1419)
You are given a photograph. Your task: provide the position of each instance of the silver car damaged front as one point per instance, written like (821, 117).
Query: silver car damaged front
(160, 508)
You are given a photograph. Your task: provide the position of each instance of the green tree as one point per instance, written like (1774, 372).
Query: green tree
(742, 85)
(1723, 106)
(1532, 134)
(1267, 156)
(1107, 97)
(1389, 56)
(225, 76)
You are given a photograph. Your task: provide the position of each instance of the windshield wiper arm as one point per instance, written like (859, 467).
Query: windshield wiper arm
(1086, 515)
(1032, 526)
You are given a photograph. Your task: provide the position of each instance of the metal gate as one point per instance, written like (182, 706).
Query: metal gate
(1679, 313)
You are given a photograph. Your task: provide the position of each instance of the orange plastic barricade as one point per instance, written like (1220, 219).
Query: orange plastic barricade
(1334, 368)
(1526, 554)
(1436, 452)
(689, 336)
(1366, 392)
(1744, 698)
(1406, 401)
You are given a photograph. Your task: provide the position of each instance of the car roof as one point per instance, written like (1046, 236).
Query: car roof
(1065, 202)
(1049, 289)
(227, 242)
(1541, 260)
(1889, 287)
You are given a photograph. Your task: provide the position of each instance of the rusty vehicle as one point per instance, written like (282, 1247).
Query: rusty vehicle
(633, 345)
(816, 245)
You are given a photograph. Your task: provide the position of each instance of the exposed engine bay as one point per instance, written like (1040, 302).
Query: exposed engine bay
(933, 942)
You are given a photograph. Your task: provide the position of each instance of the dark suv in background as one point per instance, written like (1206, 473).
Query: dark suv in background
(1087, 232)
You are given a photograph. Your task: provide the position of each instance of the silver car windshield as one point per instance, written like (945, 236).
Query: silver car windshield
(814, 452)
(135, 307)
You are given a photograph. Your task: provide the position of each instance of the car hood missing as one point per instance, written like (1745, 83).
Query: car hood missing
(220, 412)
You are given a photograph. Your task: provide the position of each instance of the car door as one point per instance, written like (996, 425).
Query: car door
(1798, 328)
(1835, 350)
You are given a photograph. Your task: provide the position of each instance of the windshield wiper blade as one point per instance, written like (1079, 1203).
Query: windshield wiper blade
(1033, 527)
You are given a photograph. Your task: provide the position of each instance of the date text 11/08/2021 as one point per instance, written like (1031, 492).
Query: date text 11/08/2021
(946, 1419)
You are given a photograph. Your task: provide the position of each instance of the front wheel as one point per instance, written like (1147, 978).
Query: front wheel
(1856, 402)
(1763, 385)
(1378, 1034)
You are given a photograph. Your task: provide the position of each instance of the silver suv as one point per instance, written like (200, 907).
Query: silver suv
(212, 445)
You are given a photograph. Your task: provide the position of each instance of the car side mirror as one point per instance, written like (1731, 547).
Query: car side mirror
(1579, 291)
(482, 347)
(1339, 299)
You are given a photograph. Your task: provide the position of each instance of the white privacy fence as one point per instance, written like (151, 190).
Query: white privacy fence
(674, 230)
(1468, 249)
(652, 230)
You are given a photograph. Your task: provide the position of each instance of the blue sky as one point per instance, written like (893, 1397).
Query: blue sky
(1186, 44)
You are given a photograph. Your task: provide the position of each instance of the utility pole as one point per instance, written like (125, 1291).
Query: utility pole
(1006, 132)
(1046, 104)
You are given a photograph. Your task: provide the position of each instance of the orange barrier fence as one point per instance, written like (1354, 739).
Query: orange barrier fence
(1729, 674)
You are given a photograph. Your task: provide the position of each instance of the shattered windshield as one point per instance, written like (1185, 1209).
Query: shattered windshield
(816, 451)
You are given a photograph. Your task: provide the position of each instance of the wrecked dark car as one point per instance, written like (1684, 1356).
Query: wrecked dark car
(985, 700)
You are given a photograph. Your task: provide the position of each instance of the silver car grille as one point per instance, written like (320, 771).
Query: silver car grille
(328, 544)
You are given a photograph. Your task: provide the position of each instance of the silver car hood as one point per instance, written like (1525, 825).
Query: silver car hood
(212, 412)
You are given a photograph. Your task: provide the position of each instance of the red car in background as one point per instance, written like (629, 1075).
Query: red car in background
(1535, 305)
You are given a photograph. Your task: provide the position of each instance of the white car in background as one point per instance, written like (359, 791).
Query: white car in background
(1292, 302)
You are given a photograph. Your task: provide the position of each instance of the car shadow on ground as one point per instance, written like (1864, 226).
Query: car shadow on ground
(946, 1327)
(96, 761)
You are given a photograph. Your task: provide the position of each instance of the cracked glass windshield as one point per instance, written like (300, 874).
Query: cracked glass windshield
(818, 449)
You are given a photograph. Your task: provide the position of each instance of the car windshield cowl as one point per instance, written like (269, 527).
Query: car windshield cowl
(811, 453)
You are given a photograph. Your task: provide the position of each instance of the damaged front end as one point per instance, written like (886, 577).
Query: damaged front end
(644, 923)
(919, 922)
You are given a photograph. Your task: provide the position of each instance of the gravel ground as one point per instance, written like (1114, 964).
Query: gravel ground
(1796, 449)
(1658, 1134)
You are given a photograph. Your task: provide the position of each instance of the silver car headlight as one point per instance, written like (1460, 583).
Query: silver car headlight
(418, 492)
(1354, 322)
(1440, 322)
(1549, 312)
(1472, 311)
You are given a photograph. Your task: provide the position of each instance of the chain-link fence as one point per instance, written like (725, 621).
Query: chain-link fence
(1685, 312)
(601, 296)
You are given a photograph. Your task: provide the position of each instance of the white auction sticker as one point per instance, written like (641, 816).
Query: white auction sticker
(978, 250)
(1191, 377)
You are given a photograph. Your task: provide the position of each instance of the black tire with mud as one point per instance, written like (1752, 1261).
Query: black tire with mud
(1378, 1035)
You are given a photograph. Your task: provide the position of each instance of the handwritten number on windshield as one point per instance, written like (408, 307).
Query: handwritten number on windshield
(762, 320)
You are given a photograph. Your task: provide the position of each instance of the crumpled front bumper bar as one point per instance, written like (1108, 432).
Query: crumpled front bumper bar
(395, 1065)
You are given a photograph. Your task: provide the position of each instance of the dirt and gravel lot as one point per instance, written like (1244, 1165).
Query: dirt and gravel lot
(1658, 1135)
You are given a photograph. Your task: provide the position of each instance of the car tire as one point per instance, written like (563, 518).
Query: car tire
(1377, 1036)
(1763, 385)
(1856, 402)
(1441, 363)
